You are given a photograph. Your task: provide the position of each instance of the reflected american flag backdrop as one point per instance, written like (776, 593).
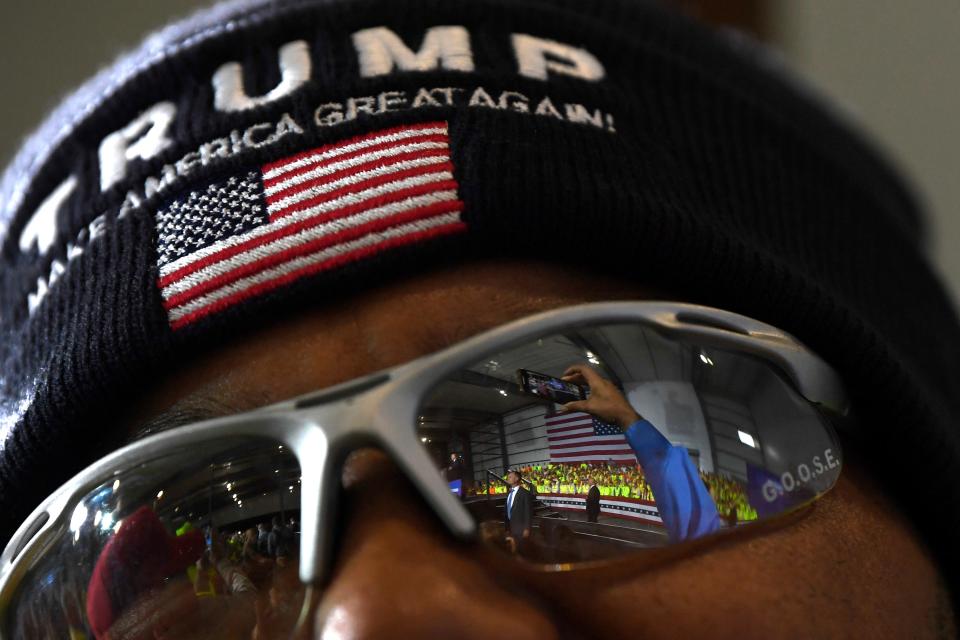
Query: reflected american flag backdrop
(579, 437)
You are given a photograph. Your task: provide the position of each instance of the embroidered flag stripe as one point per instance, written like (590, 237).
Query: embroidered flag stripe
(369, 189)
(364, 175)
(275, 253)
(342, 254)
(285, 224)
(295, 226)
(351, 163)
(306, 213)
(398, 134)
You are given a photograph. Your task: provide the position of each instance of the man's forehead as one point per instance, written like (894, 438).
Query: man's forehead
(377, 329)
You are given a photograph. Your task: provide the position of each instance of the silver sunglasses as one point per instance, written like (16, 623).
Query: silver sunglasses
(743, 409)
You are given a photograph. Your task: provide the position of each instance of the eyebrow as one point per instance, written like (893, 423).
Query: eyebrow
(198, 409)
(195, 409)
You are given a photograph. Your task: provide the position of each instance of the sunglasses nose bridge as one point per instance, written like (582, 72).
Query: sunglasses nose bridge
(334, 431)
(317, 504)
(337, 431)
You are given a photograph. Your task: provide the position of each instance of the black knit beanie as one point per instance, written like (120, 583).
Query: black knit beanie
(174, 200)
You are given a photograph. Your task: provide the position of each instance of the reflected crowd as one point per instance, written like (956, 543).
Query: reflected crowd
(153, 582)
(621, 481)
(259, 565)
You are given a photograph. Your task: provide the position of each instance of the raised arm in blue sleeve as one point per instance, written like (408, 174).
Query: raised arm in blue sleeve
(685, 505)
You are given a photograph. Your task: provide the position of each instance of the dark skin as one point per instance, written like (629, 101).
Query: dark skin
(851, 566)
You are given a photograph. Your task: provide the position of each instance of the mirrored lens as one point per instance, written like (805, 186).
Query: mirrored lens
(602, 440)
(195, 544)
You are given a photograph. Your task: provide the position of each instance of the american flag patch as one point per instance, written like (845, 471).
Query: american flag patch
(254, 232)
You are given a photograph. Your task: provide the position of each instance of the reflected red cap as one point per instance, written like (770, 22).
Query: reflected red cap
(138, 558)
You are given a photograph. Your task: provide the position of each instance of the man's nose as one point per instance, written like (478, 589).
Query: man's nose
(398, 573)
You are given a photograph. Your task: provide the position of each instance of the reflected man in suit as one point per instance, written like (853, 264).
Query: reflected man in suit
(454, 470)
(593, 501)
(518, 513)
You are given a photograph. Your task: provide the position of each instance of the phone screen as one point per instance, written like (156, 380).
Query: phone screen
(550, 388)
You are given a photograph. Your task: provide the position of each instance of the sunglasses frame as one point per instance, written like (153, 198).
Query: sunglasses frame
(321, 428)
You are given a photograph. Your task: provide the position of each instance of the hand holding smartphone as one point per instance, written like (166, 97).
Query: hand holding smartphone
(550, 388)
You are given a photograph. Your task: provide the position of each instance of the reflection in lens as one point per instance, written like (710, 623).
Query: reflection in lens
(190, 545)
(669, 441)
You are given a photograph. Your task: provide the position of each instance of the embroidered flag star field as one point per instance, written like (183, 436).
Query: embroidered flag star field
(248, 234)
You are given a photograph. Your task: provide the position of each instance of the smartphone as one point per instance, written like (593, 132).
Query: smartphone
(550, 388)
